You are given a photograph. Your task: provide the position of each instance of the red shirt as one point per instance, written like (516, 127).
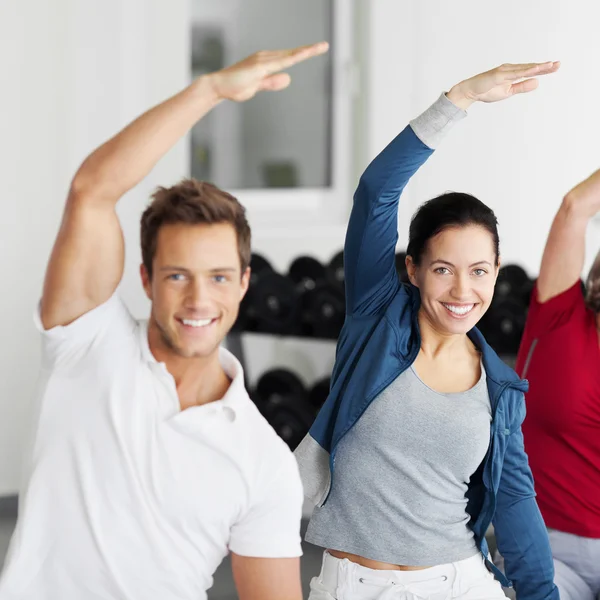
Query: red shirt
(560, 356)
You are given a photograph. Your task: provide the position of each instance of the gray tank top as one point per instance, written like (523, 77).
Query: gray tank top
(401, 474)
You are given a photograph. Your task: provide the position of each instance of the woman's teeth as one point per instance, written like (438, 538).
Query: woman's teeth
(459, 310)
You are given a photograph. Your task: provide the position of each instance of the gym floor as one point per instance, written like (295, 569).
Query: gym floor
(223, 588)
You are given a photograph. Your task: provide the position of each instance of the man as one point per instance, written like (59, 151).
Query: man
(149, 460)
(560, 357)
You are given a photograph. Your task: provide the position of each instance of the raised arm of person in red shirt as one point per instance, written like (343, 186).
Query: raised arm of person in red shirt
(557, 297)
(565, 248)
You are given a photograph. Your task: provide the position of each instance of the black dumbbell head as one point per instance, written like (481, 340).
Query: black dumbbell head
(290, 421)
(306, 272)
(503, 325)
(277, 383)
(324, 311)
(258, 263)
(246, 320)
(283, 400)
(276, 304)
(512, 282)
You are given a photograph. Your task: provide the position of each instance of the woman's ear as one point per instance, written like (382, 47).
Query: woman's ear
(411, 270)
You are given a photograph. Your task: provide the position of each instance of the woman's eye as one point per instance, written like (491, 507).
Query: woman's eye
(442, 270)
(479, 272)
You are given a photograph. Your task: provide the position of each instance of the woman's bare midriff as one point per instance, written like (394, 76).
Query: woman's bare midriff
(372, 564)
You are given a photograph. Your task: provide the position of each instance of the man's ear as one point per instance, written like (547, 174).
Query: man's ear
(245, 282)
(146, 281)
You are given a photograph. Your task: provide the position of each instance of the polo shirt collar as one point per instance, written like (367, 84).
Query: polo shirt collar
(235, 396)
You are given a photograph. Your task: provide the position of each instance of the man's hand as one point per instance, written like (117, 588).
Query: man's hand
(500, 83)
(260, 72)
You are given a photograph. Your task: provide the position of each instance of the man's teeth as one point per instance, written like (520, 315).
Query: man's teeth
(196, 323)
(459, 310)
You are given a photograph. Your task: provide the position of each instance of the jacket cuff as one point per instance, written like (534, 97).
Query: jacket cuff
(432, 125)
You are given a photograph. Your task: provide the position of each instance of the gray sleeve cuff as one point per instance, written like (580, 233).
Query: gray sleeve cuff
(432, 125)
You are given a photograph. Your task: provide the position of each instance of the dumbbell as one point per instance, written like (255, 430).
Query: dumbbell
(283, 400)
(247, 319)
(323, 311)
(318, 393)
(276, 304)
(503, 325)
(322, 301)
(513, 282)
(306, 272)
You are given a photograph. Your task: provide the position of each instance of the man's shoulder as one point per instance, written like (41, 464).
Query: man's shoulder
(106, 331)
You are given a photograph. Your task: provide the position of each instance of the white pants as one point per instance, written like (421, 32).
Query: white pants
(467, 579)
(576, 566)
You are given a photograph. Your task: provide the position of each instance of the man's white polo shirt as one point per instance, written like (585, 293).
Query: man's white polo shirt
(126, 496)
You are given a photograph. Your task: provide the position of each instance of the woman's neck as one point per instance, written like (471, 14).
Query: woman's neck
(435, 343)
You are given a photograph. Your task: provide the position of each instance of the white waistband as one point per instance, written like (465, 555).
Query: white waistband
(446, 574)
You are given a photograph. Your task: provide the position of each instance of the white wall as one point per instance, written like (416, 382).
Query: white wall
(520, 156)
(32, 120)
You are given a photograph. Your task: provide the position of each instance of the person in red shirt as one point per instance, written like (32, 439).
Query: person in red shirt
(560, 357)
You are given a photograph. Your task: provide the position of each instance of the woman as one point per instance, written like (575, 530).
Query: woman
(419, 447)
(560, 357)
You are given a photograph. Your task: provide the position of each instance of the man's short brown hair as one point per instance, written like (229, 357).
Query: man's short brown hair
(193, 202)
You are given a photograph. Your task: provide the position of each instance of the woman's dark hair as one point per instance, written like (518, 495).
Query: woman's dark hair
(453, 209)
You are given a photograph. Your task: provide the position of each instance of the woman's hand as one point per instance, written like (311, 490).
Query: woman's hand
(500, 83)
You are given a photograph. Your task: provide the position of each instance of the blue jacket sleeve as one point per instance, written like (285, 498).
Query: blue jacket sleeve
(372, 234)
(520, 530)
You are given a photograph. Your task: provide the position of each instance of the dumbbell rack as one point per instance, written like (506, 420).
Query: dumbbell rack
(502, 325)
(234, 343)
(305, 303)
(236, 347)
